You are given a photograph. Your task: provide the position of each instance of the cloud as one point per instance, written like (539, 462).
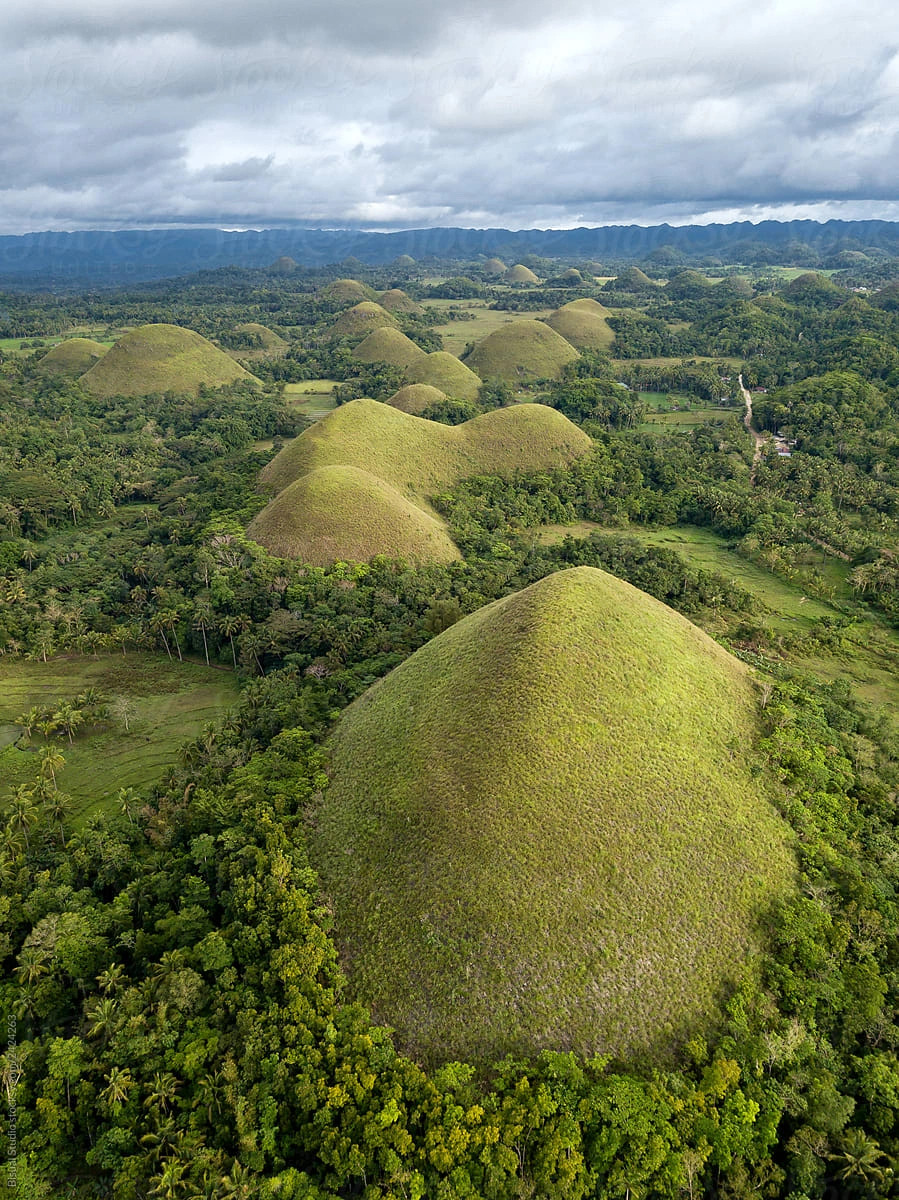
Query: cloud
(482, 113)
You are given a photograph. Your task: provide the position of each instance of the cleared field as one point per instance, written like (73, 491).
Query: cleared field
(166, 703)
(313, 397)
(684, 419)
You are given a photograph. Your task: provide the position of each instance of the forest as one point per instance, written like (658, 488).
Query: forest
(179, 1022)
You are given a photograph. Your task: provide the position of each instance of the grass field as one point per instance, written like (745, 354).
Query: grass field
(542, 828)
(313, 397)
(664, 422)
(168, 703)
(457, 335)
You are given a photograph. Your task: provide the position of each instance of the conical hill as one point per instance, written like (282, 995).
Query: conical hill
(162, 358)
(542, 831)
(72, 357)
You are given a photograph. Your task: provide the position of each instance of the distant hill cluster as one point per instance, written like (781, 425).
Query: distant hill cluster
(129, 256)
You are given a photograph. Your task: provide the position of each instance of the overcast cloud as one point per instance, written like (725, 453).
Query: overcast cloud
(479, 112)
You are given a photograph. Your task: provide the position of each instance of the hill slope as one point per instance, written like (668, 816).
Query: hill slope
(418, 457)
(162, 358)
(583, 324)
(443, 370)
(537, 835)
(416, 397)
(72, 357)
(360, 320)
(346, 513)
(521, 352)
(389, 346)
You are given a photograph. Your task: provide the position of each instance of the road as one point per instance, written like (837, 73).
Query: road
(759, 438)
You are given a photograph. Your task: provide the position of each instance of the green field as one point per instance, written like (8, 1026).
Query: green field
(457, 335)
(664, 422)
(312, 397)
(167, 703)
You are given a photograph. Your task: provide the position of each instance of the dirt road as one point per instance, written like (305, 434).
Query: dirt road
(759, 438)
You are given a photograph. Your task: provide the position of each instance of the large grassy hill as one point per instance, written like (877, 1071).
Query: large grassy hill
(542, 829)
(347, 513)
(357, 484)
(162, 358)
(583, 323)
(360, 320)
(395, 300)
(521, 352)
(420, 457)
(416, 397)
(72, 357)
(347, 291)
(446, 372)
(389, 346)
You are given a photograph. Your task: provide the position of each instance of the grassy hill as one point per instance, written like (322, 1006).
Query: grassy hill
(446, 372)
(538, 834)
(161, 358)
(270, 341)
(521, 352)
(416, 397)
(583, 324)
(347, 291)
(395, 300)
(520, 274)
(390, 346)
(360, 320)
(347, 513)
(419, 458)
(494, 266)
(72, 357)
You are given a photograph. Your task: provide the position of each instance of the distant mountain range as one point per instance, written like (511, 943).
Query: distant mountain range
(138, 255)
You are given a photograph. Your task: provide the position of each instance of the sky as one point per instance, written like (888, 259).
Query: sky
(477, 113)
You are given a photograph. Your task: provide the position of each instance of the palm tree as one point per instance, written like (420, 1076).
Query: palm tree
(110, 979)
(860, 1158)
(24, 810)
(52, 760)
(59, 808)
(103, 1018)
(118, 1087)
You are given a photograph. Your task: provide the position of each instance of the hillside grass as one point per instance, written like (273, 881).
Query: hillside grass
(583, 323)
(162, 358)
(521, 352)
(542, 830)
(73, 357)
(361, 320)
(414, 398)
(447, 373)
(395, 300)
(347, 291)
(421, 458)
(344, 513)
(170, 702)
(389, 346)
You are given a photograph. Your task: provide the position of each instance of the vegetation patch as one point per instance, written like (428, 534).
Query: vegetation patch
(542, 829)
(521, 352)
(154, 706)
(162, 358)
